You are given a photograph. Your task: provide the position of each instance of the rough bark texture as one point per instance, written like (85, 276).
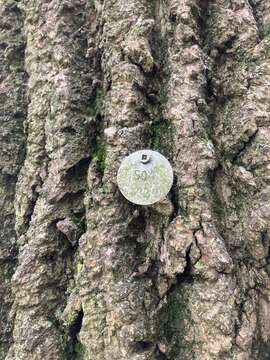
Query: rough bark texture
(84, 273)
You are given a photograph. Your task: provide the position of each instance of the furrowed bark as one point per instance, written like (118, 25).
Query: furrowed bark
(49, 197)
(83, 84)
(241, 123)
(118, 306)
(13, 112)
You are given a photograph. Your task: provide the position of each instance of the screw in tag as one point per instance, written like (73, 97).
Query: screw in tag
(145, 158)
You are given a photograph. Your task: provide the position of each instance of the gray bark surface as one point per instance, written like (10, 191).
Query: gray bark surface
(84, 273)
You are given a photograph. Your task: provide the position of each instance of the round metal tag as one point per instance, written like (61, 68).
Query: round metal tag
(145, 177)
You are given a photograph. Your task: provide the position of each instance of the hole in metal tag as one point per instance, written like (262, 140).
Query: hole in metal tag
(145, 177)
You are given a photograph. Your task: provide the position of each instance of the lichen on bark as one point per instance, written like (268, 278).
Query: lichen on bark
(84, 273)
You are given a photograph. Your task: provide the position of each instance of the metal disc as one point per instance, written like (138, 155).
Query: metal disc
(145, 177)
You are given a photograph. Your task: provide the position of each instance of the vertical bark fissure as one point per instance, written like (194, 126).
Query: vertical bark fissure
(62, 122)
(101, 278)
(206, 265)
(118, 264)
(13, 103)
(237, 127)
(253, 7)
(261, 13)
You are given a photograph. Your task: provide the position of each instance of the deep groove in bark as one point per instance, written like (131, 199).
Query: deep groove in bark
(13, 104)
(61, 254)
(107, 79)
(74, 330)
(245, 146)
(256, 18)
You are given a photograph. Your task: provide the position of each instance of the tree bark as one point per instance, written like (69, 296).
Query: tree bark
(85, 274)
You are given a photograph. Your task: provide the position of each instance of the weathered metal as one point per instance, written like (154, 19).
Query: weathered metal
(145, 177)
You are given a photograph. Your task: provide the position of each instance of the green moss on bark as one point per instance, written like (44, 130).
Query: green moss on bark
(96, 103)
(162, 137)
(178, 320)
(99, 155)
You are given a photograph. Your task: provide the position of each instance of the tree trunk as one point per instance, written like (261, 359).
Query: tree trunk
(85, 274)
